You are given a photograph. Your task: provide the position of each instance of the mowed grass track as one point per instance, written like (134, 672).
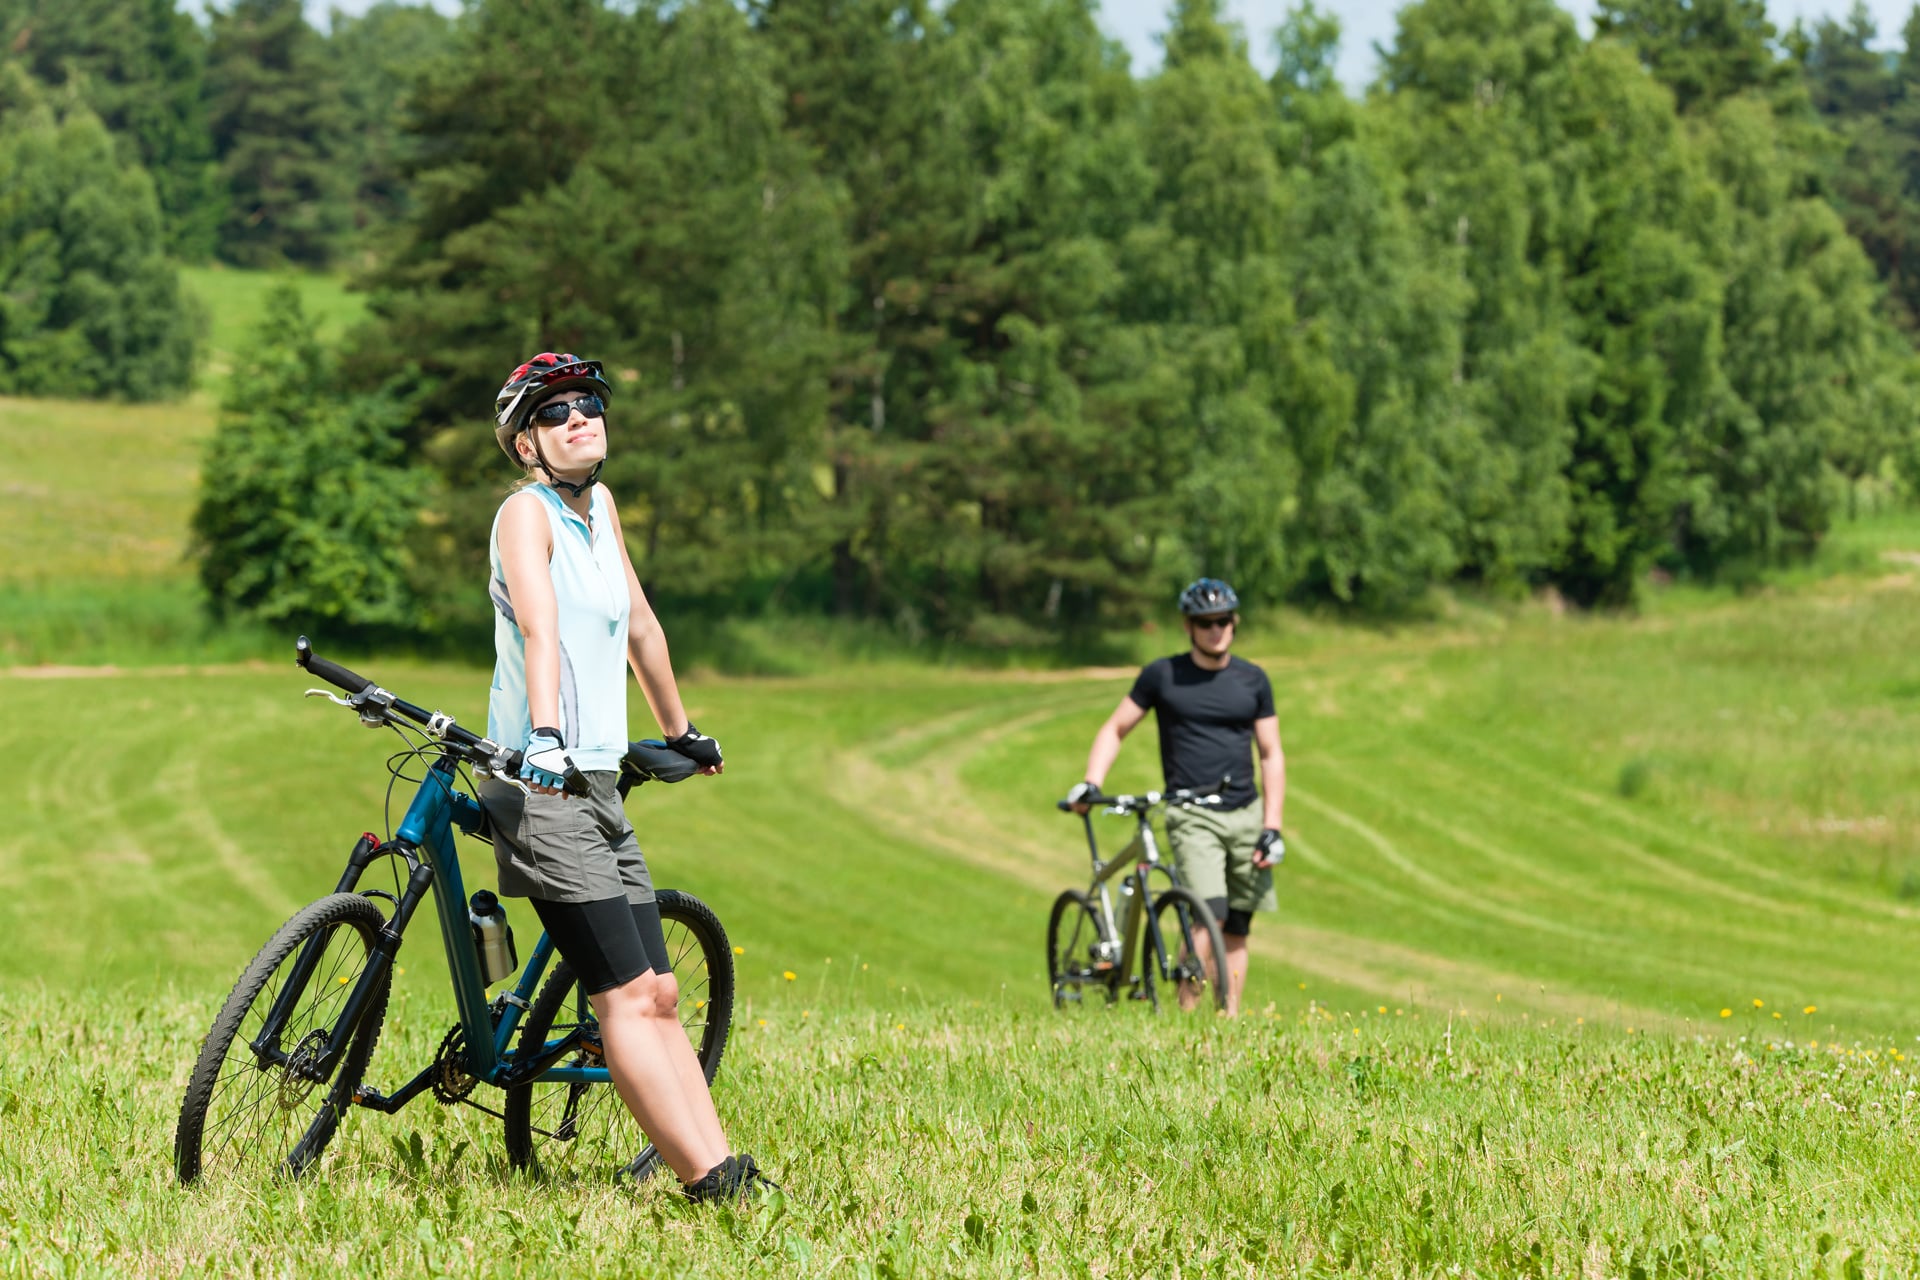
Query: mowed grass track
(1532, 860)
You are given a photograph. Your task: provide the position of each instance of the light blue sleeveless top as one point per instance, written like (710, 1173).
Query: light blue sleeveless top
(590, 588)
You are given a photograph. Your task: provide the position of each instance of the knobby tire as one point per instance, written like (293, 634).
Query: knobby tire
(1176, 913)
(244, 1111)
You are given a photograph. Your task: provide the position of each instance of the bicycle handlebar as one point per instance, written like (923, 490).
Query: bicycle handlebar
(375, 707)
(332, 672)
(1139, 804)
(648, 760)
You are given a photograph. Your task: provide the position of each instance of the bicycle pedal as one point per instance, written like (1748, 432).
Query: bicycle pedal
(1137, 994)
(365, 1095)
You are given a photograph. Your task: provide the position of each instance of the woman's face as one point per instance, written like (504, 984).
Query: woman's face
(573, 445)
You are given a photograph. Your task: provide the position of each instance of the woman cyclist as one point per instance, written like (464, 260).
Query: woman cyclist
(569, 616)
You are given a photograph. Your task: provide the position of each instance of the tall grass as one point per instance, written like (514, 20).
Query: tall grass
(1003, 1140)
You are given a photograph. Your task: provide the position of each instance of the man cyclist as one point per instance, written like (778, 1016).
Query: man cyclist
(1211, 705)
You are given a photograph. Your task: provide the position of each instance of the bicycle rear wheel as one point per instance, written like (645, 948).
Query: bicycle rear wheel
(581, 1128)
(1177, 915)
(1079, 952)
(253, 1101)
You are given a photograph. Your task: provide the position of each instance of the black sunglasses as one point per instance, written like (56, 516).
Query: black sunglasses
(1207, 624)
(552, 415)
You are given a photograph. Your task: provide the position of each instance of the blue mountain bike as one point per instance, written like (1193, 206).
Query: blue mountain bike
(288, 1052)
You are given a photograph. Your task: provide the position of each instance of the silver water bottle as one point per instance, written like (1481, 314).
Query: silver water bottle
(492, 937)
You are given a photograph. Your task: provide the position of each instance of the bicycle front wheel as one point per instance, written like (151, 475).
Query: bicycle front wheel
(582, 1128)
(1079, 952)
(1179, 914)
(255, 1100)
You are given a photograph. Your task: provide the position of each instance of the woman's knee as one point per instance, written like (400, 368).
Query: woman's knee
(649, 995)
(665, 995)
(633, 998)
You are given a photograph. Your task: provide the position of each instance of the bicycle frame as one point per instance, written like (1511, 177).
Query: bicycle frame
(1140, 856)
(436, 809)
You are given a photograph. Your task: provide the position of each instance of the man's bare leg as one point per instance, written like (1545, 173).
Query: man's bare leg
(1236, 971)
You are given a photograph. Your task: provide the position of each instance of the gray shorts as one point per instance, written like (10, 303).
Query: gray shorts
(566, 848)
(1214, 851)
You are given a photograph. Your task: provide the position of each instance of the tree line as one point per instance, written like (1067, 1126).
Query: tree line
(941, 315)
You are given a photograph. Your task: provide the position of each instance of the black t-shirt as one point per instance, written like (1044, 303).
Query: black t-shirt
(1206, 722)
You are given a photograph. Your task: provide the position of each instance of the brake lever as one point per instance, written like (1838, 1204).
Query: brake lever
(371, 722)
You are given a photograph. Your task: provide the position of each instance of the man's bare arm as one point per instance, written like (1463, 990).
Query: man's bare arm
(1273, 769)
(1106, 743)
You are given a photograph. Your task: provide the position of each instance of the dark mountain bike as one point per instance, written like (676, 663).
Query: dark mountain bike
(287, 1053)
(1150, 944)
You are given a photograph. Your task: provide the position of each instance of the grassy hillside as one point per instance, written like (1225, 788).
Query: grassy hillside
(1597, 953)
(94, 563)
(1637, 822)
(235, 300)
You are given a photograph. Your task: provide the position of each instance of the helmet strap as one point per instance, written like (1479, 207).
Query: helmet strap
(575, 489)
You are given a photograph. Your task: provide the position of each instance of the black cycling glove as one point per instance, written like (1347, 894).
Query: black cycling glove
(697, 747)
(1269, 849)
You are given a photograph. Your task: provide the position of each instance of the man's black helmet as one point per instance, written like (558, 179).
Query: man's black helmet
(1208, 596)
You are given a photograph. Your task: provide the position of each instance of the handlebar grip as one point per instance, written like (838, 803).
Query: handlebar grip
(332, 672)
(650, 760)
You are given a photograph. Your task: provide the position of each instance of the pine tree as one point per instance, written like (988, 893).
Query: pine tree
(1703, 50)
(279, 134)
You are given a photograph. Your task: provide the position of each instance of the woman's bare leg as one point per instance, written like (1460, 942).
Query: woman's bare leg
(650, 1081)
(686, 1063)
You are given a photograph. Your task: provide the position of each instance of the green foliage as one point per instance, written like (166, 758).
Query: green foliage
(279, 134)
(943, 317)
(139, 66)
(89, 305)
(378, 55)
(1703, 50)
(304, 509)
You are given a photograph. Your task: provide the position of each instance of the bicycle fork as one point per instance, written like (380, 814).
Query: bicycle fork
(266, 1046)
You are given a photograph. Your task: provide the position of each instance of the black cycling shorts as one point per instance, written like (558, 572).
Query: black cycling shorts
(1232, 920)
(608, 943)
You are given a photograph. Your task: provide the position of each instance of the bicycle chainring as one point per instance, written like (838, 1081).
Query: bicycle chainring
(452, 1082)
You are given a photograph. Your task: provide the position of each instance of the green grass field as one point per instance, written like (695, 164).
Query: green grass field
(1533, 861)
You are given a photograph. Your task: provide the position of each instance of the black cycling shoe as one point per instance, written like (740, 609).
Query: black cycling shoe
(735, 1178)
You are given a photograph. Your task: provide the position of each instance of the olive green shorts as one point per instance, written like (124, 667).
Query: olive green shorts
(565, 848)
(1214, 851)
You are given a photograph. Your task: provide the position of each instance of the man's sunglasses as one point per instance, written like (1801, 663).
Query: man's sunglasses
(1208, 624)
(552, 415)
